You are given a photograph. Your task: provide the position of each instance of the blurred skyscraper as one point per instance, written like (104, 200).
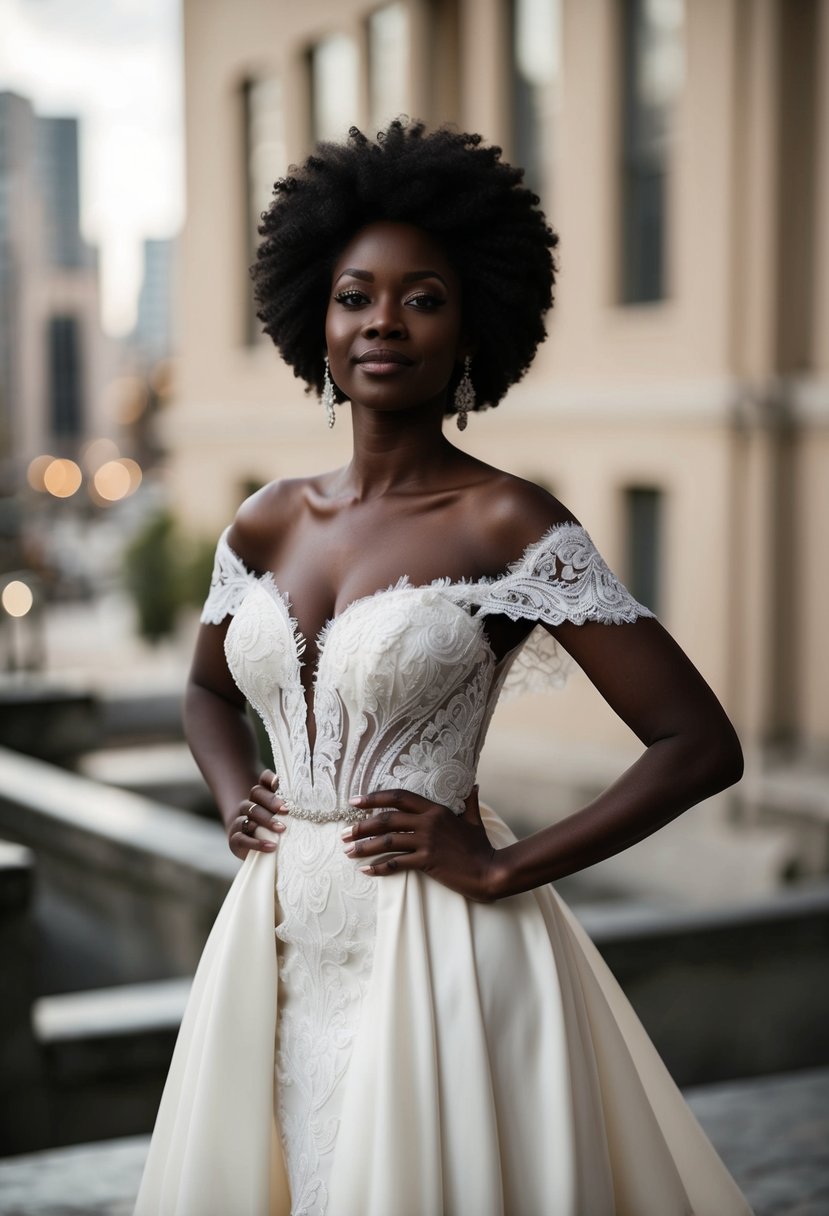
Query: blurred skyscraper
(153, 336)
(59, 165)
(53, 357)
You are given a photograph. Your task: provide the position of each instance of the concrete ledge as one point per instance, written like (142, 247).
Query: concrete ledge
(49, 809)
(726, 993)
(136, 715)
(111, 1012)
(162, 772)
(45, 720)
(127, 888)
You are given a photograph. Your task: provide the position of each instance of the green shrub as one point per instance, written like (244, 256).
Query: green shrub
(151, 576)
(164, 571)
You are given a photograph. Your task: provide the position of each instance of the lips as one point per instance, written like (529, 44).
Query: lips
(381, 358)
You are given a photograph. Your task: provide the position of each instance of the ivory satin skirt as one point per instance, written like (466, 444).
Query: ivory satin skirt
(382, 1047)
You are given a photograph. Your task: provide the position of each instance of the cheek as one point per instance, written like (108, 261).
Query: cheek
(337, 339)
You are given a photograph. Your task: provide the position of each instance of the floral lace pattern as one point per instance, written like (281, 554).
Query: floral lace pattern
(325, 945)
(403, 692)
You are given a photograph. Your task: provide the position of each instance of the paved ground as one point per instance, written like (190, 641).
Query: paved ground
(773, 1134)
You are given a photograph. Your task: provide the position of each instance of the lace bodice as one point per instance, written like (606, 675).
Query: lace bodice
(406, 682)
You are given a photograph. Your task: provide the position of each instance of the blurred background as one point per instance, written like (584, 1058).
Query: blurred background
(680, 407)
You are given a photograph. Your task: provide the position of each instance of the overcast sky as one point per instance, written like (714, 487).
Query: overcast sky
(117, 65)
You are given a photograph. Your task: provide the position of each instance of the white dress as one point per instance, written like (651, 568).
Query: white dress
(383, 1047)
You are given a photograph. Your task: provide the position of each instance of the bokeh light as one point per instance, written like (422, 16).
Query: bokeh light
(98, 452)
(116, 479)
(17, 598)
(135, 472)
(62, 478)
(35, 471)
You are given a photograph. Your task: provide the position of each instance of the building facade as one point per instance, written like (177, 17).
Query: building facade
(680, 406)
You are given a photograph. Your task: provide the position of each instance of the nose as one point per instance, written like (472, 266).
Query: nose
(385, 320)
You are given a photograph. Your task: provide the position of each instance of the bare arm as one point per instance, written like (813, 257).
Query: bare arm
(691, 753)
(223, 741)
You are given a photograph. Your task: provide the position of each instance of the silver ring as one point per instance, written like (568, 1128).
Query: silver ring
(245, 823)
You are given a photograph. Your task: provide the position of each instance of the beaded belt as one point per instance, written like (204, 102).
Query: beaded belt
(344, 813)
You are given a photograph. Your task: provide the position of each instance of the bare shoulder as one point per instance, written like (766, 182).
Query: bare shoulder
(265, 518)
(511, 513)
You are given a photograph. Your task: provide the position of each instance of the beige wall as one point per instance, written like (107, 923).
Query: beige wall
(688, 394)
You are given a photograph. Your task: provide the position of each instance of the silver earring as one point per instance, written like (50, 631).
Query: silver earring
(328, 395)
(464, 395)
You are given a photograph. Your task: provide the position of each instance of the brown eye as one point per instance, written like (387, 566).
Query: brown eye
(351, 298)
(425, 302)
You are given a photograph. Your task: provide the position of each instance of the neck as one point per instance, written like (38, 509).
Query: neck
(397, 451)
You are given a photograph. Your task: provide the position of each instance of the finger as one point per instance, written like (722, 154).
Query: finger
(262, 806)
(403, 800)
(393, 865)
(386, 820)
(269, 779)
(265, 797)
(241, 842)
(389, 842)
(258, 816)
(246, 825)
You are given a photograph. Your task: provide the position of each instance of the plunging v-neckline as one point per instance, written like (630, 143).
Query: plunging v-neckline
(300, 641)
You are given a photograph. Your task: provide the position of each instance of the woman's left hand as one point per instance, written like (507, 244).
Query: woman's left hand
(426, 836)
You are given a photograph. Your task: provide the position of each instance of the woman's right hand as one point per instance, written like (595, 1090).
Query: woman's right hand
(261, 808)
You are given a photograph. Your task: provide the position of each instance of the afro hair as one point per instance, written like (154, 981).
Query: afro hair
(447, 183)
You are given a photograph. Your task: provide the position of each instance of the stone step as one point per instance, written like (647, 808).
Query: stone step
(165, 772)
(772, 1133)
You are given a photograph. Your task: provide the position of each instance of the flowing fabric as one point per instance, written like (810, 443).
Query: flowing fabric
(363, 1047)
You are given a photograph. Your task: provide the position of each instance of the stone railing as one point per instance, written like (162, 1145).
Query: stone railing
(127, 889)
(730, 992)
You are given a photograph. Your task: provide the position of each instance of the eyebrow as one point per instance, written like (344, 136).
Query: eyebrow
(412, 276)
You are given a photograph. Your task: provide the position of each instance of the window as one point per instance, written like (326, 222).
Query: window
(653, 69)
(65, 384)
(388, 65)
(643, 515)
(335, 92)
(265, 161)
(536, 75)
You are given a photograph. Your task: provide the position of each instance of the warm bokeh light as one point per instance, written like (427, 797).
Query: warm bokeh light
(112, 481)
(62, 478)
(17, 598)
(35, 471)
(135, 472)
(98, 452)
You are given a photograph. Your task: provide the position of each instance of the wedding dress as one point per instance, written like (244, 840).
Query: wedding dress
(357, 1046)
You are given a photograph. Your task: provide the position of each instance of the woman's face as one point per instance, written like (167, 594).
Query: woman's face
(393, 326)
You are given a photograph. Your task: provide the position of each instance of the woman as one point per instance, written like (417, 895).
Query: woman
(440, 1036)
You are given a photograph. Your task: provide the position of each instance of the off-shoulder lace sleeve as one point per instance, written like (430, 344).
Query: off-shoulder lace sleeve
(561, 577)
(229, 584)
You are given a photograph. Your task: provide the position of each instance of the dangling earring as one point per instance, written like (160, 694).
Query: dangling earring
(464, 395)
(328, 395)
